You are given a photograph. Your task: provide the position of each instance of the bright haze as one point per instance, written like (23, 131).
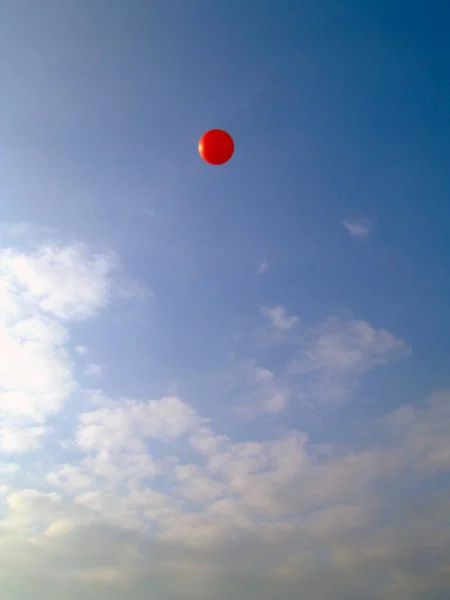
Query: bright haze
(224, 382)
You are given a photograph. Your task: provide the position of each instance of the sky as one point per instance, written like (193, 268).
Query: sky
(224, 382)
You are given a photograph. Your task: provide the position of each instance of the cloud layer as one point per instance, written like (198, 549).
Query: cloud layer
(152, 498)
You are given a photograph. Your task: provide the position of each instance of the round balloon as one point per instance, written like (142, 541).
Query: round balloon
(216, 147)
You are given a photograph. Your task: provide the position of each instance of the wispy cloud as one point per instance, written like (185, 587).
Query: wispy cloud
(334, 355)
(323, 365)
(263, 267)
(81, 350)
(358, 227)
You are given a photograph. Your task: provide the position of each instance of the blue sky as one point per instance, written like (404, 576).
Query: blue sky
(224, 381)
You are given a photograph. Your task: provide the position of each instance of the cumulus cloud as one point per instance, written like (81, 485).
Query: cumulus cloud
(19, 439)
(70, 478)
(281, 514)
(69, 282)
(40, 292)
(196, 485)
(152, 496)
(35, 370)
(127, 424)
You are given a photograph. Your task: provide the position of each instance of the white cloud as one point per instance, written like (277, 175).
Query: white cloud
(281, 330)
(424, 432)
(126, 425)
(195, 485)
(29, 507)
(331, 358)
(111, 509)
(334, 355)
(289, 516)
(278, 317)
(358, 227)
(69, 282)
(16, 440)
(260, 472)
(245, 518)
(38, 290)
(95, 370)
(195, 530)
(81, 350)
(9, 468)
(205, 441)
(111, 469)
(70, 478)
(340, 346)
(60, 527)
(265, 396)
(35, 371)
(155, 506)
(263, 267)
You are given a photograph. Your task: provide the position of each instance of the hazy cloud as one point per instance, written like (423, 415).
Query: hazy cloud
(263, 267)
(358, 227)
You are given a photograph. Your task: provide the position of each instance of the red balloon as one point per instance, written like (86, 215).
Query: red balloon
(216, 147)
